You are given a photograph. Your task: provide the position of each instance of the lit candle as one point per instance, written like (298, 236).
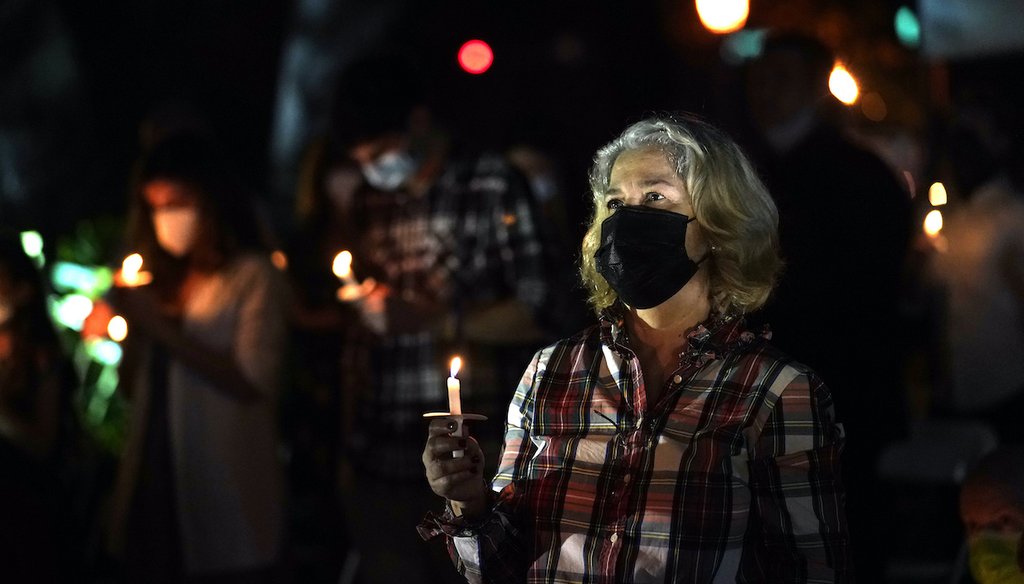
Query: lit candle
(933, 229)
(933, 223)
(131, 272)
(937, 194)
(342, 267)
(117, 328)
(454, 401)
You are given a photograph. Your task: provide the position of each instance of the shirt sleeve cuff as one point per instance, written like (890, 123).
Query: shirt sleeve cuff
(448, 524)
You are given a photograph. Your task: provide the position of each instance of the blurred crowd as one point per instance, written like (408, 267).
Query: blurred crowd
(275, 388)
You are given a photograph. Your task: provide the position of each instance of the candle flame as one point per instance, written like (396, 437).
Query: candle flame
(117, 328)
(456, 365)
(933, 223)
(131, 265)
(937, 194)
(843, 85)
(723, 16)
(342, 265)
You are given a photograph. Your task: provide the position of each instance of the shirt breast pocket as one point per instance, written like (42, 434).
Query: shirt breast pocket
(718, 454)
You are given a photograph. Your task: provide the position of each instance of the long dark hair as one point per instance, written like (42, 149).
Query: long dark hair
(227, 223)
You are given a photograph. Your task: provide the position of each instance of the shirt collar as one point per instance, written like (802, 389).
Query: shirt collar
(718, 335)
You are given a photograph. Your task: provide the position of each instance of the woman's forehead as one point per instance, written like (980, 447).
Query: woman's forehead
(166, 192)
(644, 164)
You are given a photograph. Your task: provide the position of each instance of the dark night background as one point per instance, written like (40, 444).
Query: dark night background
(78, 80)
(79, 77)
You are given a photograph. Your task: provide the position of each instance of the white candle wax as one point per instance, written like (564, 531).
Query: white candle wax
(454, 399)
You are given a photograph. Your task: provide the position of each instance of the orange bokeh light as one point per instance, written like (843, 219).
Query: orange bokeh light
(723, 16)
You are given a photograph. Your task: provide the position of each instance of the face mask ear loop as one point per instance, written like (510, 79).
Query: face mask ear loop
(707, 254)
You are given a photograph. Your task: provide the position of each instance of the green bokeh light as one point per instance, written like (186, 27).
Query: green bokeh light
(104, 351)
(87, 280)
(908, 27)
(32, 243)
(743, 45)
(71, 311)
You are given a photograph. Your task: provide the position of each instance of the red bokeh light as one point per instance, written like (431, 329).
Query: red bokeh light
(475, 57)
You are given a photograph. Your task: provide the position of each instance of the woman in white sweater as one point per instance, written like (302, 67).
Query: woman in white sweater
(199, 494)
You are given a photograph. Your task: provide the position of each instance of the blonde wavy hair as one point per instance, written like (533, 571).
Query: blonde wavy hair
(731, 204)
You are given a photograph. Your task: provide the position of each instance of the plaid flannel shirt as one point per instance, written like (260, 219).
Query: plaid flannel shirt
(733, 476)
(474, 237)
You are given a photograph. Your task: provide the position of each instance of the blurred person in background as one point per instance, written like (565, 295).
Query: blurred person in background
(199, 495)
(35, 395)
(992, 510)
(844, 228)
(455, 243)
(667, 443)
(980, 269)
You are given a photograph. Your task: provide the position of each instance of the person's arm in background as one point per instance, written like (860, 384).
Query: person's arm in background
(798, 529)
(262, 331)
(242, 372)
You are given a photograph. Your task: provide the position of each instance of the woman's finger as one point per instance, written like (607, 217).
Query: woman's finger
(441, 447)
(440, 426)
(452, 466)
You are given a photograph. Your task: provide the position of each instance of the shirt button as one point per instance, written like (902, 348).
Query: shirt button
(677, 378)
(614, 538)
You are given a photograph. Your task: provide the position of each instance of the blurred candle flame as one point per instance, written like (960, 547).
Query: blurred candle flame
(843, 85)
(132, 264)
(117, 328)
(131, 271)
(937, 194)
(723, 16)
(342, 266)
(933, 223)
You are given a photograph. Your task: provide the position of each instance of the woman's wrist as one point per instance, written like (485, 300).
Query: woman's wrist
(474, 508)
(469, 510)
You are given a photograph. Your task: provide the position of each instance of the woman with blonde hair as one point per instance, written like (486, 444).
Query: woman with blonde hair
(666, 443)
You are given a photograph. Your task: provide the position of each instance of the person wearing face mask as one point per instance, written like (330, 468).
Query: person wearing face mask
(458, 248)
(992, 511)
(667, 443)
(199, 492)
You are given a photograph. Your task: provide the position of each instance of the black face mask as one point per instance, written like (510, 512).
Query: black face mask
(643, 255)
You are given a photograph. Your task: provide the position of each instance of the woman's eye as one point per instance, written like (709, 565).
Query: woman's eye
(614, 203)
(653, 196)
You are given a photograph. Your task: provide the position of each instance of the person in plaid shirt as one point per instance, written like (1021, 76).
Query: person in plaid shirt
(666, 443)
(453, 245)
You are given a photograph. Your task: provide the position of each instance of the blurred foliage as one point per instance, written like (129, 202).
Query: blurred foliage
(80, 275)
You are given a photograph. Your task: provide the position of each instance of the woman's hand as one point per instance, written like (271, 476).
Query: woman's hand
(460, 480)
